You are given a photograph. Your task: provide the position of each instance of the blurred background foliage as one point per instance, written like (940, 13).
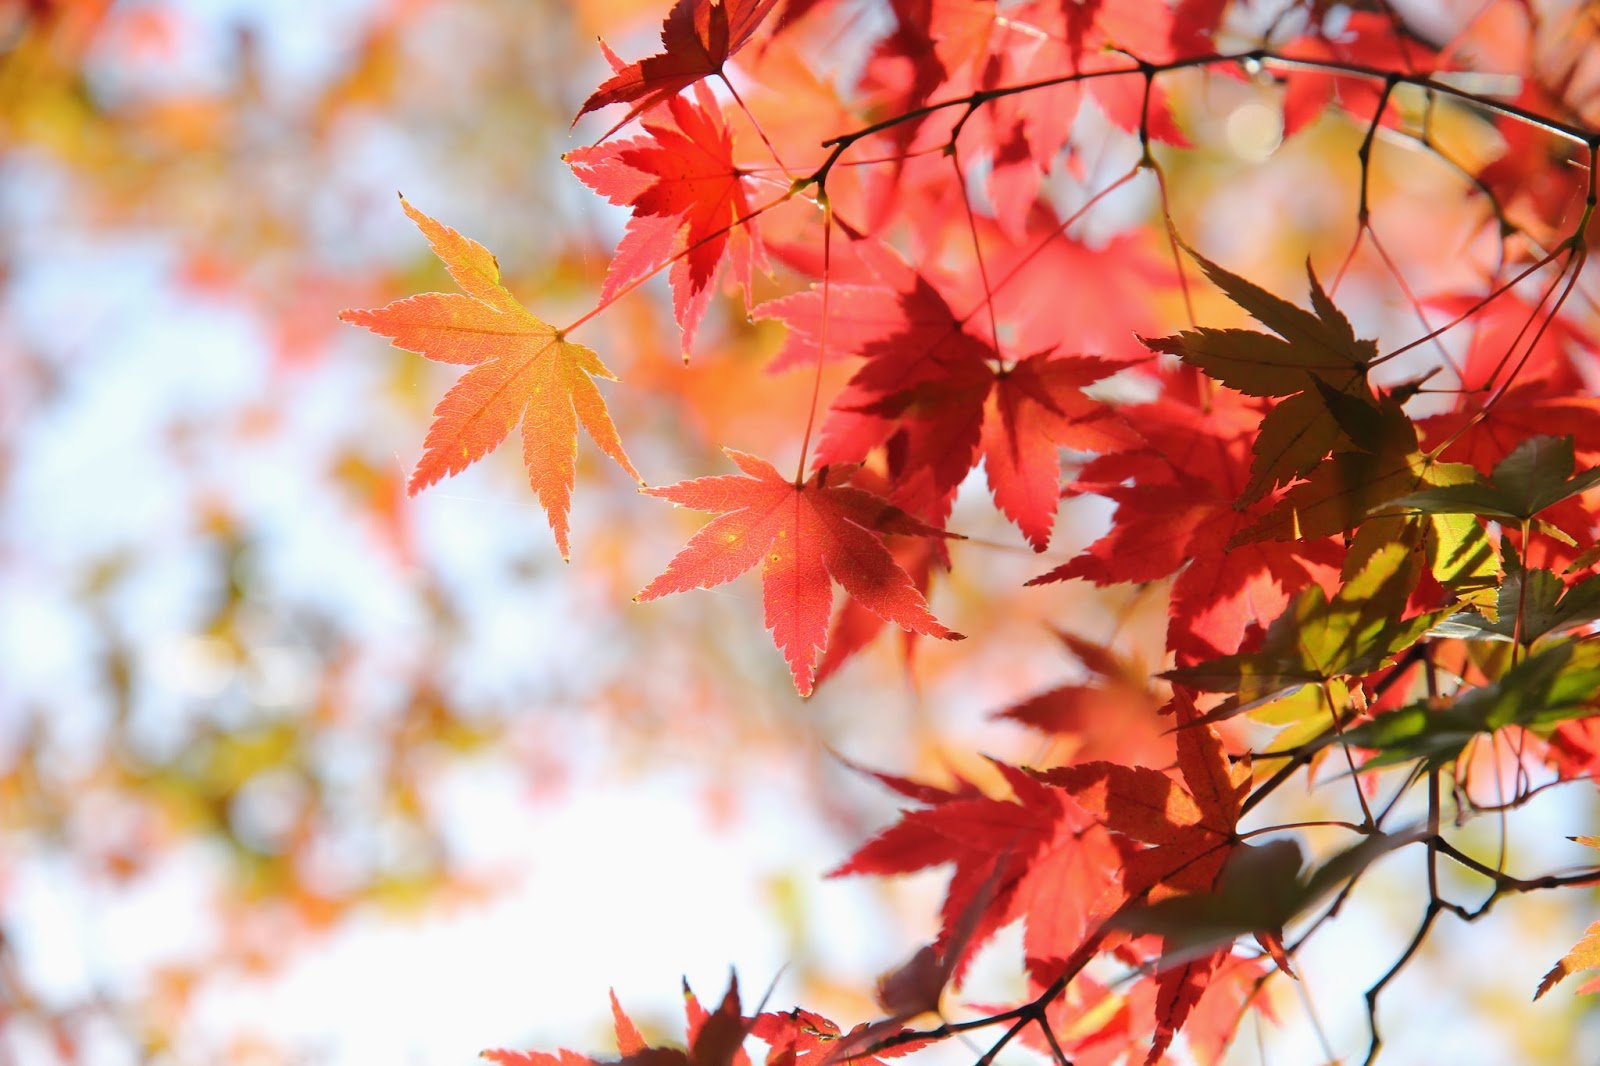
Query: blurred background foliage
(256, 704)
(238, 668)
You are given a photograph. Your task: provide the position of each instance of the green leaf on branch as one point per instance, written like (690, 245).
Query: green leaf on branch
(1261, 890)
(1318, 639)
(1531, 604)
(1537, 474)
(1558, 683)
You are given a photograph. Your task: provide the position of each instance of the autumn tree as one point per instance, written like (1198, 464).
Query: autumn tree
(1374, 528)
(1267, 325)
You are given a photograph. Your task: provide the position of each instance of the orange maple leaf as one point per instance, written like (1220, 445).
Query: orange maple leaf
(802, 535)
(524, 370)
(1585, 954)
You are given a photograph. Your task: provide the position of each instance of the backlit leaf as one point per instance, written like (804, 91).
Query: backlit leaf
(523, 371)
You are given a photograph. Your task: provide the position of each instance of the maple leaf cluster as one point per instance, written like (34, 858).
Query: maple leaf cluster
(1349, 551)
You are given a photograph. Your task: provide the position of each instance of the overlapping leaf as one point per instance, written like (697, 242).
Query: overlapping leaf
(524, 371)
(1315, 365)
(1557, 683)
(697, 38)
(1319, 638)
(688, 199)
(950, 412)
(941, 392)
(1039, 857)
(1536, 475)
(1176, 512)
(1531, 603)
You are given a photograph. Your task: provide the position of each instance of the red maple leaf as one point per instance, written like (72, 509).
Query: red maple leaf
(524, 370)
(1175, 510)
(715, 1039)
(805, 1038)
(697, 38)
(1190, 826)
(688, 200)
(1514, 387)
(1040, 857)
(802, 535)
(949, 407)
(944, 391)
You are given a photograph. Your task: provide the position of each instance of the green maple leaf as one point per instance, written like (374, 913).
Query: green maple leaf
(1261, 889)
(1557, 683)
(1538, 597)
(1537, 474)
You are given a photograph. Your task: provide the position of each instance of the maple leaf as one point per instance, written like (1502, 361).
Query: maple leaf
(1176, 512)
(1351, 485)
(524, 371)
(952, 406)
(697, 38)
(1190, 827)
(805, 1038)
(1315, 364)
(687, 197)
(1260, 890)
(1558, 683)
(1355, 632)
(715, 1039)
(1537, 474)
(802, 535)
(1039, 857)
(1530, 603)
(1584, 955)
(1547, 396)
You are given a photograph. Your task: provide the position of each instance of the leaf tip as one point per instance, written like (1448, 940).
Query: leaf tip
(1557, 974)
